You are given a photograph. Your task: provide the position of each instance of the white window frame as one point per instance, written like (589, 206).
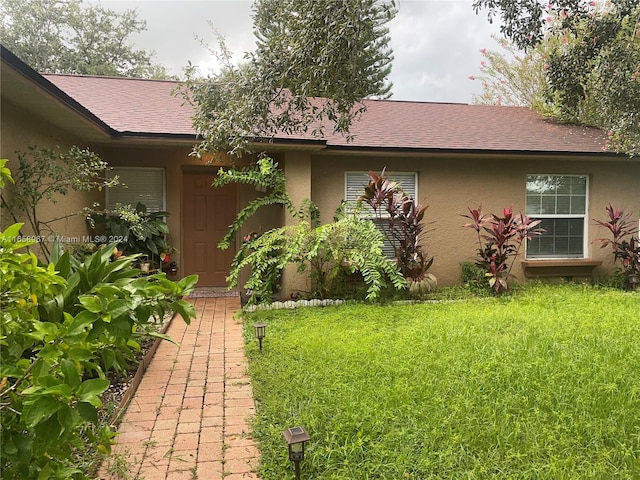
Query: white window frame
(367, 212)
(584, 217)
(130, 173)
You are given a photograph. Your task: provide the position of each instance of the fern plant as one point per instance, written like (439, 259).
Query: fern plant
(349, 244)
(265, 175)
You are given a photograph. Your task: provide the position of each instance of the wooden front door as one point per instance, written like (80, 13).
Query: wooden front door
(207, 214)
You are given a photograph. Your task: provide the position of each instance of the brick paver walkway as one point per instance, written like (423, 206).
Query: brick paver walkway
(189, 416)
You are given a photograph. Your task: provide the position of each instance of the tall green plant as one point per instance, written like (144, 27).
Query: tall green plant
(265, 175)
(349, 243)
(62, 327)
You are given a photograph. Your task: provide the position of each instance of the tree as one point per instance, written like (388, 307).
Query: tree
(593, 66)
(45, 174)
(62, 36)
(314, 62)
(510, 77)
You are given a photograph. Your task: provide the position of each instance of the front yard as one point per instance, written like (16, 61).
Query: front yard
(542, 384)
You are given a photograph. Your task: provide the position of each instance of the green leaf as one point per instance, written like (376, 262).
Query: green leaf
(39, 411)
(188, 283)
(43, 330)
(108, 358)
(185, 309)
(81, 354)
(70, 372)
(90, 389)
(61, 390)
(163, 337)
(81, 321)
(13, 231)
(10, 371)
(53, 308)
(88, 412)
(118, 307)
(67, 418)
(142, 313)
(120, 327)
(91, 303)
(63, 265)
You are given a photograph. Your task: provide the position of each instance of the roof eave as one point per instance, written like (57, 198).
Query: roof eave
(47, 87)
(402, 151)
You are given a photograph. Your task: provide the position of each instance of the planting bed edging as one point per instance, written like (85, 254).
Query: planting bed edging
(137, 378)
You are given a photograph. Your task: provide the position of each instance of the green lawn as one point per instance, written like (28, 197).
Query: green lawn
(544, 384)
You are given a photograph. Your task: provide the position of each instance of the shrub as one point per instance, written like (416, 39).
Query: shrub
(62, 327)
(45, 174)
(404, 225)
(499, 240)
(349, 244)
(625, 245)
(473, 277)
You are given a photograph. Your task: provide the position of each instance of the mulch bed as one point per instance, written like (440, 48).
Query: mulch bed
(124, 385)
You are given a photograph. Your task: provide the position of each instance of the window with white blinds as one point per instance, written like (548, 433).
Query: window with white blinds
(355, 182)
(138, 184)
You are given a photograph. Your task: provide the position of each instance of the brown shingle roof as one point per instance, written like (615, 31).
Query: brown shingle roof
(128, 104)
(147, 106)
(468, 127)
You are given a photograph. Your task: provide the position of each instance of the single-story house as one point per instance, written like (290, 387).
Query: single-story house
(451, 156)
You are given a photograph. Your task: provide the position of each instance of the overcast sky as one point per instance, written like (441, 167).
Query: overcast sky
(436, 43)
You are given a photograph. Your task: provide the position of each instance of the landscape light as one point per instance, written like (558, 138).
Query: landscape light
(296, 438)
(261, 330)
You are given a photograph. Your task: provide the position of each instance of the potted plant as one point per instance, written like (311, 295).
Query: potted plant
(138, 231)
(625, 245)
(145, 264)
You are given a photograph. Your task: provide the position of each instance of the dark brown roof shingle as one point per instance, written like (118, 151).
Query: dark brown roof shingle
(148, 106)
(128, 104)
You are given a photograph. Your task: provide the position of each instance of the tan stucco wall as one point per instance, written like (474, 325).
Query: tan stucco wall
(297, 168)
(19, 130)
(450, 185)
(175, 160)
(171, 160)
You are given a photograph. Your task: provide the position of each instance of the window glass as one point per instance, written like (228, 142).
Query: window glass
(559, 201)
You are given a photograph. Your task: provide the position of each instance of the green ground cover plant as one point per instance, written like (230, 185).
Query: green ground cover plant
(543, 383)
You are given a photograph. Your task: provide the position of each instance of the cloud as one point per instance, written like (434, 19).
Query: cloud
(437, 46)
(436, 43)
